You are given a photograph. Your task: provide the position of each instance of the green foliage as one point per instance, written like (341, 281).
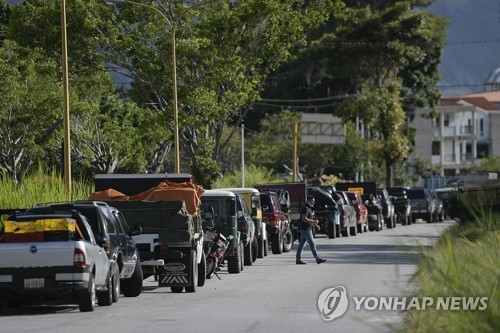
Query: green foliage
(4, 18)
(253, 175)
(39, 186)
(490, 164)
(462, 268)
(29, 107)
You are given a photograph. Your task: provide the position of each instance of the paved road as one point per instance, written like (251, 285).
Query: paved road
(273, 295)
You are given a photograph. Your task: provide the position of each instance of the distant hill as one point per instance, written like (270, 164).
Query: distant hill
(473, 43)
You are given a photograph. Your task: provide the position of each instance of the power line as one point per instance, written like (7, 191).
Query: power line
(308, 99)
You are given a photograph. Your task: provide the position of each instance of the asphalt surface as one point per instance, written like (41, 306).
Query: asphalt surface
(272, 295)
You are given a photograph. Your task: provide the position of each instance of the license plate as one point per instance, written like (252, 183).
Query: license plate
(34, 283)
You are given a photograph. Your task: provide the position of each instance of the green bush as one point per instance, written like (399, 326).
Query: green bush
(253, 175)
(466, 263)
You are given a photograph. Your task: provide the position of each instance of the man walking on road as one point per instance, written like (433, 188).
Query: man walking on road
(307, 222)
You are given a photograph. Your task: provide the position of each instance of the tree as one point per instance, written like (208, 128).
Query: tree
(29, 105)
(381, 55)
(224, 51)
(4, 18)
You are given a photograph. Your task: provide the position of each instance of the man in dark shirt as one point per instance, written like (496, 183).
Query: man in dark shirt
(307, 222)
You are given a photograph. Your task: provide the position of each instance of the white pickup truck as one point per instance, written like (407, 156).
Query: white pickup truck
(52, 253)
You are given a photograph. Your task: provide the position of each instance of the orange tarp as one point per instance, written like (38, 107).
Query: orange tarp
(109, 194)
(166, 190)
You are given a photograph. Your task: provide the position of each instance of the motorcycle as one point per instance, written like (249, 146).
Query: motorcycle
(215, 245)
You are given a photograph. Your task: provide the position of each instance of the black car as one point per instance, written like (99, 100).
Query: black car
(111, 229)
(402, 204)
(422, 204)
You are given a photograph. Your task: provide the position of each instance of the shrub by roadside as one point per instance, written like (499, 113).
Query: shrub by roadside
(465, 264)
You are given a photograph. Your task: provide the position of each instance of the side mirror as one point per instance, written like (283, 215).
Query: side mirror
(135, 230)
(265, 208)
(104, 243)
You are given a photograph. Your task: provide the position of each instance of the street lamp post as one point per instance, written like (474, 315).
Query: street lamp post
(174, 73)
(64, 68)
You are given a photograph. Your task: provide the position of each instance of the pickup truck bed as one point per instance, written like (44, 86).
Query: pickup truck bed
(61, 262)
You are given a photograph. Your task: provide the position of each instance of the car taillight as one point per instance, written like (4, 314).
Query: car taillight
(343, 212)
(244, 226)
(79, 258)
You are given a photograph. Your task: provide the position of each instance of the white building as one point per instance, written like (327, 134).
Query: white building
(466, 130)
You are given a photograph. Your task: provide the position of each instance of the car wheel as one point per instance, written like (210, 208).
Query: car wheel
(86, 298)
(132, 287)
(353, 230)
(233, 261)
(177, 289)
(242, 263)
(260, 247)
(105, 298)
(255, 248)
(116, 284)
(277, 243)
(287, 240)
(248, 254)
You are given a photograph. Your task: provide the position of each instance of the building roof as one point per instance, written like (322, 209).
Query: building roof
(490, 96)
(477, 101)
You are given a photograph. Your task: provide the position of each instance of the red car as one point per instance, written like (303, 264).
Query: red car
(361, 210)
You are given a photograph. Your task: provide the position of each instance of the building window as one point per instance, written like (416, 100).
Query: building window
(446, 120)
(436, 148)
(483, 150)
(481, 127)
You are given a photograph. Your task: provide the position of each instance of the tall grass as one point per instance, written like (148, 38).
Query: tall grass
(41, 186)
(253, 175)
(466, 263)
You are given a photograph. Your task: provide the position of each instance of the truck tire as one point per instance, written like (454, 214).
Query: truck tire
(287, 240)
(354, 230)
(233, 261)
(105, 297)
(255, 248)
(260, 247)
(429, 218)
(194, 274)
(177, 290)
(331, 229)
(86, 299)
(133, 287)
(242, 264)
(202, 270)
(345, 232)
(277, 243)
(337, 231)
(248, 254)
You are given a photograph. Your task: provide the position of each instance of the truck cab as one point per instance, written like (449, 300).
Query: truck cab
(225, 220)
(252, 199)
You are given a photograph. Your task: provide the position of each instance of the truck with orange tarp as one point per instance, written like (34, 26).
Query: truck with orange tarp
(166, 207)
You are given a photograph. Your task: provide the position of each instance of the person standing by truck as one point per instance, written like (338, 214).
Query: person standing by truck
(307, 222)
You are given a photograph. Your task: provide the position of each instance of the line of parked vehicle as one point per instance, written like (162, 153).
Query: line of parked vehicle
(93, 251)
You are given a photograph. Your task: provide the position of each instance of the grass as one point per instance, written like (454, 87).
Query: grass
(38, 187)
(466, 263)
